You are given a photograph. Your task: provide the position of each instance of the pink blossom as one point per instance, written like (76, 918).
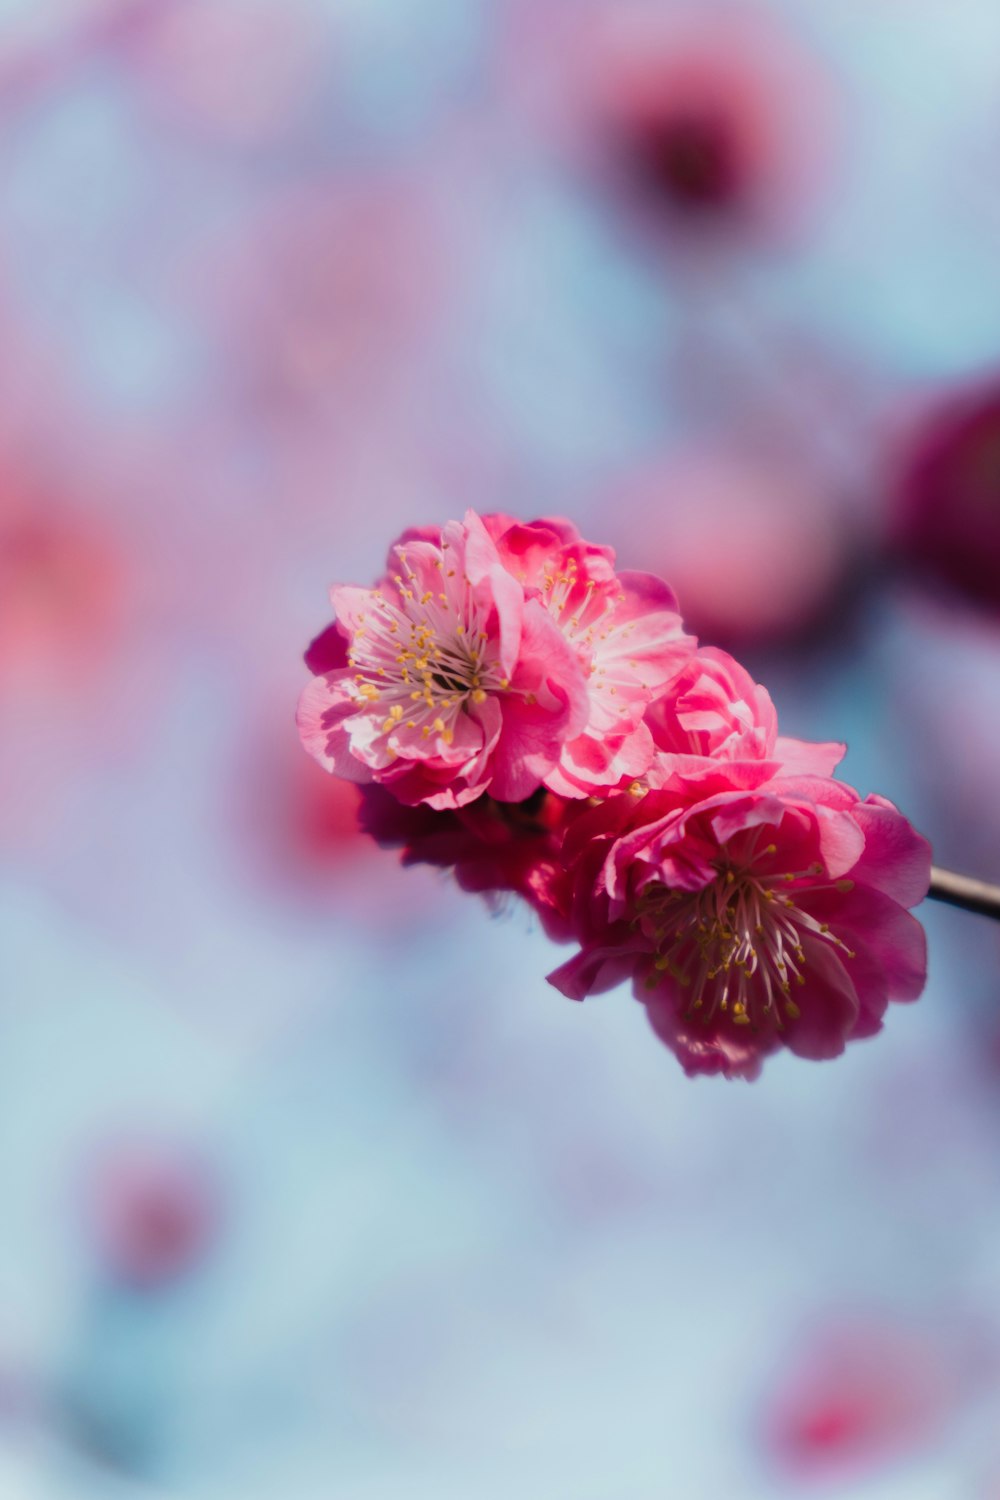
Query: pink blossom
(948, 494)
(627, 636)
(756, 535)
(447, 680)
(493, 848)
(717, 727)
(154, 1211)
(862, 1392)
(719, 122)
(749, 920)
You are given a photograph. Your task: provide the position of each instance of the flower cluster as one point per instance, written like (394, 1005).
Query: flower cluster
(524, 714)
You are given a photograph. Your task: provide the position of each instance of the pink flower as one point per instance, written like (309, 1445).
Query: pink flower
(447, 680)
(750, 919)
(716, 727)
(494, 848)
(760, 542)
(154, 1209)
(863, 1391)
(948, 499)
(627, 636)
(718, 122)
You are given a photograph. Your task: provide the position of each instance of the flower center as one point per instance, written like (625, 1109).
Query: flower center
(737, 945)
(424, 655)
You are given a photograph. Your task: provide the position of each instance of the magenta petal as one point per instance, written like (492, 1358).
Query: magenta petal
(828, 1005)
(327, 652)
(896, 859)
(592, 972)
(706, 1049)
(889, 933)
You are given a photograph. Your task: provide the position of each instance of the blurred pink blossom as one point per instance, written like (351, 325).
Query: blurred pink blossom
(860, 1395)
(756, 547)
(494, 848)
(243, 72)
(318, 297)
(62, 585)
(712, 119)
(947, 496)
(153, 1209)
(716, 118)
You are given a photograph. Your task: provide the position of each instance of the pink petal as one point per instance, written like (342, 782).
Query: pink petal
(896, 859)
(828, 1005)
(808, 758)
(323, 708)
(327, 652)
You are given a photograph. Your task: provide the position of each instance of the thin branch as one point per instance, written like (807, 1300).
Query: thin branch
(963, 891)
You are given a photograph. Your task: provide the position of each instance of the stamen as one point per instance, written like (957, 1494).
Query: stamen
(735, 947)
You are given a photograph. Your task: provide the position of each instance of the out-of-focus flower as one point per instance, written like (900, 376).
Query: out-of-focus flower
(625, 630)
(948, 494)
(239, 71)
(62, 590)
(716, 725)
(153, 1210)
(321, 298)
(715, 121)
(495, 657)
(758, 549)
(858, 1396)
(750, 920)
(495, 848)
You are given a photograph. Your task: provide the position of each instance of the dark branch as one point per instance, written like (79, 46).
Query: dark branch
(963, 891)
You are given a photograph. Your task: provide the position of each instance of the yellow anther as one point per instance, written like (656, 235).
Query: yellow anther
(478, 695)
(792, 1010)
(844, 886)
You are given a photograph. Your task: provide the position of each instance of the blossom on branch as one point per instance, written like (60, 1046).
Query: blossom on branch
(539, 724)
(751, 920)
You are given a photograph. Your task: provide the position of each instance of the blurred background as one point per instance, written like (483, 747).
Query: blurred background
(312, 1189)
